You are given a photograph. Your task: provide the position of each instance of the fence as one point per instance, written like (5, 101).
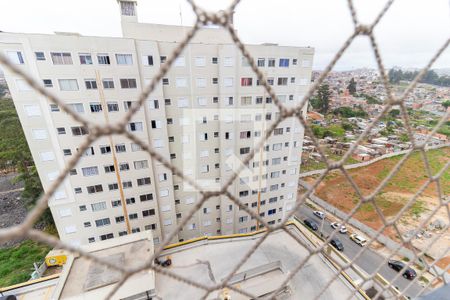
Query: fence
(224, 20)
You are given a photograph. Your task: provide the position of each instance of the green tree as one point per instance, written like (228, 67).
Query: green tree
(394, 113)
(352, 86)
(446, 104)
(323, 95)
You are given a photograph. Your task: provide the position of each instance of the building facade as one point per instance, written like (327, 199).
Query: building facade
(204, 117)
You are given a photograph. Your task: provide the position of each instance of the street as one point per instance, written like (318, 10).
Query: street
(368, 260)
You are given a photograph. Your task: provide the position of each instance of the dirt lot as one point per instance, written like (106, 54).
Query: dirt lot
(336, 190)
(12, 210)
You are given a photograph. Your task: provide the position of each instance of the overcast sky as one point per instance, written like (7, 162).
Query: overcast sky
(409, 34)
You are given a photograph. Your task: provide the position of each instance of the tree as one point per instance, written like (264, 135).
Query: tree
(394, 113)
(323, 95)
(446, 104)
(352, 86)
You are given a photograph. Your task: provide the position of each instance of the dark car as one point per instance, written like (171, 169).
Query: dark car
(311, 224)
(398, 266)
(337, 244)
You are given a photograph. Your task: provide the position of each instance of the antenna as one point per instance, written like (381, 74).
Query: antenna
(181, 15)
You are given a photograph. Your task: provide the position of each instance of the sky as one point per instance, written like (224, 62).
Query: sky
(408, 36)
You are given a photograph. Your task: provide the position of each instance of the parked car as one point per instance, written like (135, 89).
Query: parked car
(342, 228)
(311, 224)
(409, 273)
(337, 244)
(319, 214)
(358, 239)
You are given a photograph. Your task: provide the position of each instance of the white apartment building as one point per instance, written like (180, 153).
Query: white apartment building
(204, 117)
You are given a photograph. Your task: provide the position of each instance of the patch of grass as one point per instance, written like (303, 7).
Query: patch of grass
(418, 208)
(424, 279)
(16, 263)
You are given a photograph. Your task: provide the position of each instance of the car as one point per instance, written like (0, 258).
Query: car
(342, 228)
(319, 214)
(337, 244)
(409, 273)
(358, 239)
(311, 224)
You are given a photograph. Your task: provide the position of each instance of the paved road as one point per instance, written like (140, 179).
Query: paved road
(368, 260)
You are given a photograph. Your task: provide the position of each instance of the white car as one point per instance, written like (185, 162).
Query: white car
(358, 239)
(319, 214)
(342, 228)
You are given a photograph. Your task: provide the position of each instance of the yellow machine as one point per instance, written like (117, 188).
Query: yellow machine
(55, 258)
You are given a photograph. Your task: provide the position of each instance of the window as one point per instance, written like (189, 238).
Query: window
(163, 58)
(228, 81)
(245, 134)
(277, 147)
(61, 130)
(107, 236)
(108, 83)
(112, 106)
(124, 59)
(215, 99)
(15, 57)
(261, 62)
(87, 224)
(244, 150)
(282, 80)
(68, 84)
(131, 200)
(164, 193)
(165, 81)
(103, 59)
(133, 216)
(201, 82)
(147, 60)
(271, 211)
(246, 100)
(102, 222)
(116, 203)
(153, 104)
(39, 55)
(135, 147)
(77, 107)
(292, 81)
(228, 62)
(246, 81)
(284, 62)
(82, 207)
(120, 148)
(183, 102)
(143, 181)
(128, 83)
(200, 61)
(124, 167)
(89, 151)
(79, 130)
(90, 171)
(120, 219)
(127, 184)
(127, 8)
(148, 213)
(278, 131)
(294, 61)
(141, 164)
(61, 58)
(276, 161)
(77, 190)
(105, 149)
(109, 168)
(85, 59)
(98, 206)
(181, 82)
(271, 62)
(39, 134)
(128, 104)
(146, 197)
(113, 186)
(95, 107)
(67, 152)
(48, 83)
(94, 189)
(214, 60)
(243, 219)
(270, 80)
(135, 126)
(32, 110)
